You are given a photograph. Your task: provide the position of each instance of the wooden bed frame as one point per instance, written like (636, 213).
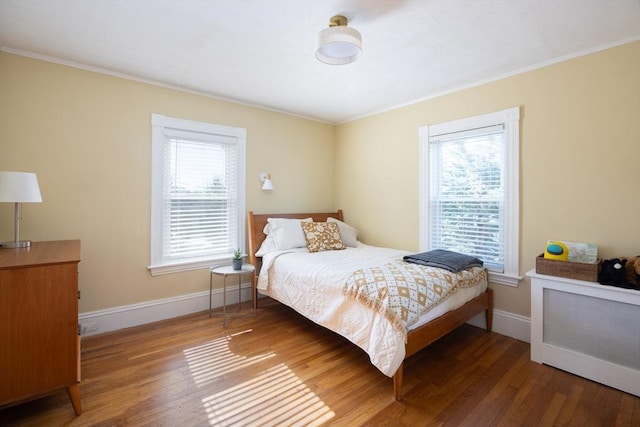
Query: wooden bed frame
(418, 338)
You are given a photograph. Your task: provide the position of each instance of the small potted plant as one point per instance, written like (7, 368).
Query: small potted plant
(237, 259)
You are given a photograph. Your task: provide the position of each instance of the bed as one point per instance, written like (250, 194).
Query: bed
(298, 278)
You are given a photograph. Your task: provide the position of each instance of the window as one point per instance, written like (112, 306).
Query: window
(198, 194)
(469, 186)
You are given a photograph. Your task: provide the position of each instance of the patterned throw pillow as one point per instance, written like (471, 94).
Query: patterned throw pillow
(322, 236)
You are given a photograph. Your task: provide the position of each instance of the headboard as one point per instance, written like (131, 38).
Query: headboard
(257, 222)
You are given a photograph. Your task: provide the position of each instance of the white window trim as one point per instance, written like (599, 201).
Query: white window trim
(510, 118)
(158, 124)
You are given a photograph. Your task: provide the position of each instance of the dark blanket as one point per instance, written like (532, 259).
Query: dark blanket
(441, 258)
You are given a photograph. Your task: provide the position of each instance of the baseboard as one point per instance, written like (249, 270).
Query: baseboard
(506, 323)
(112, 319)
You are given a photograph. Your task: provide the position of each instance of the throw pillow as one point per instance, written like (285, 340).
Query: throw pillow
(322, 236)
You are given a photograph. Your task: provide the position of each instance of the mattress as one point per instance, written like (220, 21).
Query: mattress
(312, 284)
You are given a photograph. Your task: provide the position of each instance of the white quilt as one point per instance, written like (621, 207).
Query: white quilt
(312, 284)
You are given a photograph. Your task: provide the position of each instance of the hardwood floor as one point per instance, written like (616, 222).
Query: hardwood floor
(281, 369)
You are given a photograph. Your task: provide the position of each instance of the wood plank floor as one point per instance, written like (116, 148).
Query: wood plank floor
(281, 369)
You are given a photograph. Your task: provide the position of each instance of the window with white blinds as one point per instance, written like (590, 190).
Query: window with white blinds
(197, 195)
(469, 190)
(467, 193)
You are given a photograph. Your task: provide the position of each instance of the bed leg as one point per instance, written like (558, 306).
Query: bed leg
(254, 292)
(489, 311)
(397, 382)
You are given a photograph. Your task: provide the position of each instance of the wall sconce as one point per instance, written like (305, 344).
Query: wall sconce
(19, 187)
(265, 178)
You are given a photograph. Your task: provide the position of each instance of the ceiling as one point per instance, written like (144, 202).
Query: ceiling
(262, 52)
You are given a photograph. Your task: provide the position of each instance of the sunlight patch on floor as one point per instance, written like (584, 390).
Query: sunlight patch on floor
(210, 361)
(274, 397)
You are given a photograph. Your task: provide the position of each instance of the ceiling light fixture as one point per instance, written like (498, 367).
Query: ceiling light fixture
(339, 44)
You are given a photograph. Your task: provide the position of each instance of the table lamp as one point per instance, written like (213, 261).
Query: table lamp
(18, 187)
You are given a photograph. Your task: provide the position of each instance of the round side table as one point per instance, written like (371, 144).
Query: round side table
(226, 272)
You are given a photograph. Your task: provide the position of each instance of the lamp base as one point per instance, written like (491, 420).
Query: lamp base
(14, 244)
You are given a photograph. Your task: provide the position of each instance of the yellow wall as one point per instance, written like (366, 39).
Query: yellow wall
(580, 160)
(88, 138)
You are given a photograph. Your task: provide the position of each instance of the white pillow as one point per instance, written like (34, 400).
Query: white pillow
(287, 232)
(348, 233)
(268, 245)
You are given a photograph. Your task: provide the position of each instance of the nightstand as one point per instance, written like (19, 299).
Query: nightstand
(227, 272)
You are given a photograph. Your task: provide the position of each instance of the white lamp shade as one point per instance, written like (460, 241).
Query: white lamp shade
(20, 187)
(265, 178)
(268, 185)
(339, 45)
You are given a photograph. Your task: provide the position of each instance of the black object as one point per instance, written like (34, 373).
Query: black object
(614, 273)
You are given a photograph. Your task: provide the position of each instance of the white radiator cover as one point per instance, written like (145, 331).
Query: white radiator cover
(588, 329)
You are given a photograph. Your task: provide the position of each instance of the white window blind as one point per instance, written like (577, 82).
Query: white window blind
(198, 194)
(467, 193)
(469, 190)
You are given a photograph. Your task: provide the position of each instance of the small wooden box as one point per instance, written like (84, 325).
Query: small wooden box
(571, 270)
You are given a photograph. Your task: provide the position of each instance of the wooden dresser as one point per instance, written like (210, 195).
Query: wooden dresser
(39, 341)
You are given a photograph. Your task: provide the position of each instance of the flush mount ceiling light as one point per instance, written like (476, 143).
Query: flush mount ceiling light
(339, 44)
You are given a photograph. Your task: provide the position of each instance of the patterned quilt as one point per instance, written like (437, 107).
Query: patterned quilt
(402, 291)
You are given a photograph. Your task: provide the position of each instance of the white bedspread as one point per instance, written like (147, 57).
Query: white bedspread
(312, 284)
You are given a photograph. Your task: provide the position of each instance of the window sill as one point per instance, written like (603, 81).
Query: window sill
(505, 279)
(157, 270)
